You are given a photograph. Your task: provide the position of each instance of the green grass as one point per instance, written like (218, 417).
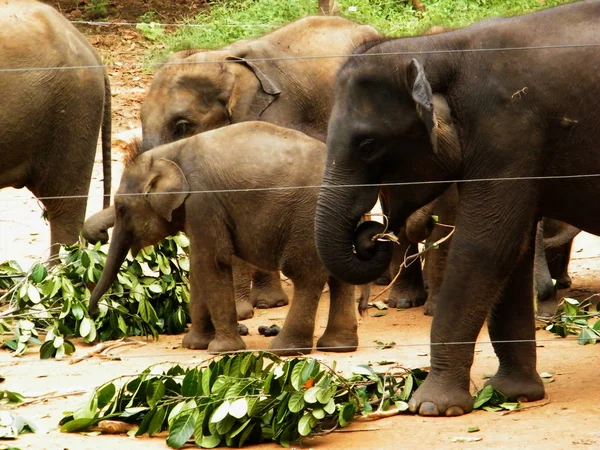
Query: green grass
(232, 20)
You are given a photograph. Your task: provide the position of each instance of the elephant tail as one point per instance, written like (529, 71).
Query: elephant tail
(106, 144)
(567, 234)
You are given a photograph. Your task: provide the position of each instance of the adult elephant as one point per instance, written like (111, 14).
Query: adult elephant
(259, 79)
(413, 114)
(552, 253)
(55, 97)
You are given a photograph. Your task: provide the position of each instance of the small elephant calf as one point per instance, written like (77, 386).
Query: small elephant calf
(248, 190)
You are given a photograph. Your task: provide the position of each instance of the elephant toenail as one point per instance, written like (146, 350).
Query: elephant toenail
(413, 406)
(454, 411)
(429, 409)
(403, 304)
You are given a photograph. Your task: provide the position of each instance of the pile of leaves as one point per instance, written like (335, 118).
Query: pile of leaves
(149, 297)
(250, 398)
(576, 318)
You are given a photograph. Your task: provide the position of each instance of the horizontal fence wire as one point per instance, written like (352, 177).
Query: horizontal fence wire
(311, 349)
(309, 57)
(328, 187)
(177, 25)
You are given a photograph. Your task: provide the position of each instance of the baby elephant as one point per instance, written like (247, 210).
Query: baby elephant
(248, 190)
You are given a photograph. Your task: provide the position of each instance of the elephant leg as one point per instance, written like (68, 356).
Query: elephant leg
(546, 291)
(512, 319)
(408, 289)
(558, 263)
(434, 267)
(212, 304)
(480, 263)
(342, 325)
(267, 291)
(296, 335)
(65, 215)
(242, 279)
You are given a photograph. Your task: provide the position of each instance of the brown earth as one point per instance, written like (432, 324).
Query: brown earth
(567, 418)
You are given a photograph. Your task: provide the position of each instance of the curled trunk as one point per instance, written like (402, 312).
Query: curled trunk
(348, 252)
(95, 229)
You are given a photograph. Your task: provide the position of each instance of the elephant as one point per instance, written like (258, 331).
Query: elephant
(553, 243)
(226, 189)
(197, 91)
(413, 115)
(51, 114)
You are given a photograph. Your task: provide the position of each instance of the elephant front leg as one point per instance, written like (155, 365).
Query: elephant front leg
(267, 291)
(341, 332)
(296, 335)
(480, 263)
(214, 317)
(512, 330)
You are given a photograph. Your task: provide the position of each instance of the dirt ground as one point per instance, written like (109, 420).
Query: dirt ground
(567, 418)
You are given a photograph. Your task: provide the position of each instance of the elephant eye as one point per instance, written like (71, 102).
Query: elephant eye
(182, 129)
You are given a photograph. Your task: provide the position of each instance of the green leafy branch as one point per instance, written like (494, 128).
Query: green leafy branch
(149, 297)
(249, 398)
(576, 318)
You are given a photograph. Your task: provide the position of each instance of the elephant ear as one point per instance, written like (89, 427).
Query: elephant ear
(167, 188)
(423, 98)
(267, 94)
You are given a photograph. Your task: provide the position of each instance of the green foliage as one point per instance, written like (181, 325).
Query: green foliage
(243, 399)
(97, 8)
(232, 20)
(149, 297)
(489, 399)
(576, 318)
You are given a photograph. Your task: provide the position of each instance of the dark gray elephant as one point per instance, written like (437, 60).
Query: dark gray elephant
(439, 108)
(50, 118)
(265, 228)
(553, 244)
(196, 91)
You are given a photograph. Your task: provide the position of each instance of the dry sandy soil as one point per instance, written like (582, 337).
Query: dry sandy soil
(567, 418)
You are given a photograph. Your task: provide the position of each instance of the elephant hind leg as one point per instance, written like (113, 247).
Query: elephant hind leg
(511, 325)
(267, 291)
(341, 332)
(242, 279)
(296, 336)
(408, 290)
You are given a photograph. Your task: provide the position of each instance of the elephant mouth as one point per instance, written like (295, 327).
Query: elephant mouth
(365, 239)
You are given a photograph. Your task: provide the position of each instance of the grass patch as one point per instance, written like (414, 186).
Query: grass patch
(232, 20)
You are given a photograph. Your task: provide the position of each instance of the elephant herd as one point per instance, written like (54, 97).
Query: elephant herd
(270, 153)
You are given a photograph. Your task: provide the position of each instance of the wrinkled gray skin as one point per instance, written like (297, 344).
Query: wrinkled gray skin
(553, 243)
(434, 112)
(246, 225)
(195, 96)
(50, 119)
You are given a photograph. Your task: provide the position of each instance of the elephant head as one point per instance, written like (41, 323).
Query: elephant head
(387, 128)
(148, 208)
(198, 91)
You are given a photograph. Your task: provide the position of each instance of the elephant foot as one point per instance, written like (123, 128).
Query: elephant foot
(406, 298)
(285, 344)
(440, 397)
(338, 342)
(195, 340)
(244, 310)
(269, 296)
(221, 344)
(383, 280)
(523, 388)
(429, 307)
(563, 282)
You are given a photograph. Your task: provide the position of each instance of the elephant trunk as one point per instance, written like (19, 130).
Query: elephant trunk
(95, 229)
(119, 246)
(419, 224)
(566, 234)
(350, 253)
